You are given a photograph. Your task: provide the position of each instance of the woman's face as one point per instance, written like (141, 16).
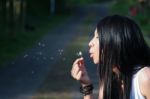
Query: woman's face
(94, 48)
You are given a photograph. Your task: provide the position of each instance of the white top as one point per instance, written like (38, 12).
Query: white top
(135, 89)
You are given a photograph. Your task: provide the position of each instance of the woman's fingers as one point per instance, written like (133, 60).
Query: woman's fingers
(79, 72)
(77, 68)
(79, 75)
(76, 61)
(77, 64)
(75, 71)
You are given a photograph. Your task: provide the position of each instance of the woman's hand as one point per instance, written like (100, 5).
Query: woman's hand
(79, 72)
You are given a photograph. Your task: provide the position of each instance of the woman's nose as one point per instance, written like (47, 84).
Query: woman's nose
(90, 44)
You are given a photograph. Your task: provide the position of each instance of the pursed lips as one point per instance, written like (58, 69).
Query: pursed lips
(91, 54)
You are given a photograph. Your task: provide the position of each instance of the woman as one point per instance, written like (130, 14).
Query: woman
(123, 59)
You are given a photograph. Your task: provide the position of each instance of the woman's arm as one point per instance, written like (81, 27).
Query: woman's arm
(144, 81)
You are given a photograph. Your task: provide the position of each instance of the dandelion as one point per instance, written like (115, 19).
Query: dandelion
(79, 54)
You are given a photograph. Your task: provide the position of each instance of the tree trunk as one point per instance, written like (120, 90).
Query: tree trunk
(22, 14)
(3, 7)
(12, 20)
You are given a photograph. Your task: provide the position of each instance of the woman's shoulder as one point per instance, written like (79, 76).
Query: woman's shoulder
(145, 73)
(144, 81)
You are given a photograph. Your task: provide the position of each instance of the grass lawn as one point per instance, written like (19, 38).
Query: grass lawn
(24, 40)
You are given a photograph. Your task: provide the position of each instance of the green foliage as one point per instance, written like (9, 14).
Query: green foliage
(120, 7)
(61, 7)
(38, 7)
(78, 2)
(142, 19)
(66, 6)
(131, 2)
(123, 7)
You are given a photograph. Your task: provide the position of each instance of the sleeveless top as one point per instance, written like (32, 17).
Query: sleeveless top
(135, 88)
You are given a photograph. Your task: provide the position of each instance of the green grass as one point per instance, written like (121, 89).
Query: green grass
(24, 40)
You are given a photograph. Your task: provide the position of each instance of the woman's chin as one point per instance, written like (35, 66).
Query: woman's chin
(96, 61)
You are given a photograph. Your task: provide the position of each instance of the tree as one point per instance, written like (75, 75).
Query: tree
(22, 16)
(3, 9)
(12, 20)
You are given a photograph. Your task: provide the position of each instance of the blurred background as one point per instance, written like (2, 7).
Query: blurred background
(39, 40)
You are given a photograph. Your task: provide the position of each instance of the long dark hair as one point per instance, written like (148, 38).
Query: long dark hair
(121, 45)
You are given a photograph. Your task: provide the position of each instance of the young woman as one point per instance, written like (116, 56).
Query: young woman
(123, 59)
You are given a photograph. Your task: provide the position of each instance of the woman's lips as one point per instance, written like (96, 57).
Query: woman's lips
(91, 55)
